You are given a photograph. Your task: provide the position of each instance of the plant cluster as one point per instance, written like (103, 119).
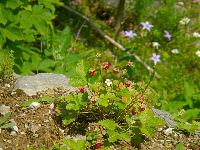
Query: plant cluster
(109, 107)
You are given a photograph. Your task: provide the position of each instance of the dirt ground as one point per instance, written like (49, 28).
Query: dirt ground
(39, 128)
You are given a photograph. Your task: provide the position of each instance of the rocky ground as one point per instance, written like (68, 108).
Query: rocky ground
(37, 126)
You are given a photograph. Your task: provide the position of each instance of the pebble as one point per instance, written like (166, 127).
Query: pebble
(13, 133)
(22, 133)
(4, 109)
(14, 128)
(7, 85)
(51, 106)
(168, 131)
(34, 105)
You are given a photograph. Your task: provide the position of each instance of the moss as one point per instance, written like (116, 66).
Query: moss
(6, 64)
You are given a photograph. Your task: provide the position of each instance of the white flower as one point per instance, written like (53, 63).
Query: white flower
(198, 53)
(175, 51)
(108, 82)
(196, 35)
(156, 45)
(184, 21)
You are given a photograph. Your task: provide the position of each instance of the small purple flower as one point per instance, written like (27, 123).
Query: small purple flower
(130, 34)
(146, 26)
(167, 35)
(155, 58)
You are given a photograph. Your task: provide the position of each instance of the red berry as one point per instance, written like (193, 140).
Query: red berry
(92, 72)
(98, 145)
(128, 83)
(106, 66)
(142, 109)
(82, 89)
(134, 112)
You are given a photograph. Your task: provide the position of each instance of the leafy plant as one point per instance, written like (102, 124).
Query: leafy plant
(46, 99)
(3, 120)
(112, 106)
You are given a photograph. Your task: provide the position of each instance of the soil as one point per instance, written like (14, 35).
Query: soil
(39, 127)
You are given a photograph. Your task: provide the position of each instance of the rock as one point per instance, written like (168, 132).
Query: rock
(40, 82)
(35, 127)
(14, 128)
(168, 131)
(4, 109)
(165, 116)
(34, 105)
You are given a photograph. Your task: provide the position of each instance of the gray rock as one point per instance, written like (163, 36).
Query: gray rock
(40, 82)
(165, 116)
(4, 109)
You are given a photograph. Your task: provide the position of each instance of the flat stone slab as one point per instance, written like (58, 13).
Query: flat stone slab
(31, 85)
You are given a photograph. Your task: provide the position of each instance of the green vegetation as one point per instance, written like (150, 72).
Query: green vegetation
(3, 120)
(44, 36)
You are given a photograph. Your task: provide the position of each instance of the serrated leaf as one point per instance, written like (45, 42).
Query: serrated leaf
(113, 136)
(124, 136)
(108, 124)
(13, 3)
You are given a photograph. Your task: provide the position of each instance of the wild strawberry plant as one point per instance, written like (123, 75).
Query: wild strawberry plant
(108, 107)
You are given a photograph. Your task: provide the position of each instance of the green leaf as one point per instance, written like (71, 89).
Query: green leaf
(61, 41)
(149, 122)
(11, 33)
(189, 127)
(189, 91)
(68, 119)
(124, 136)
(5, 117)
(46, 99)
(75, 144)
(108, 124)
(3, 15)
(50, 4)
(103, 100)
(113, 136)
(8, 125)
(13, 4)
(180, 146)
(79, 76)
(46, 63)
(191, 114)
